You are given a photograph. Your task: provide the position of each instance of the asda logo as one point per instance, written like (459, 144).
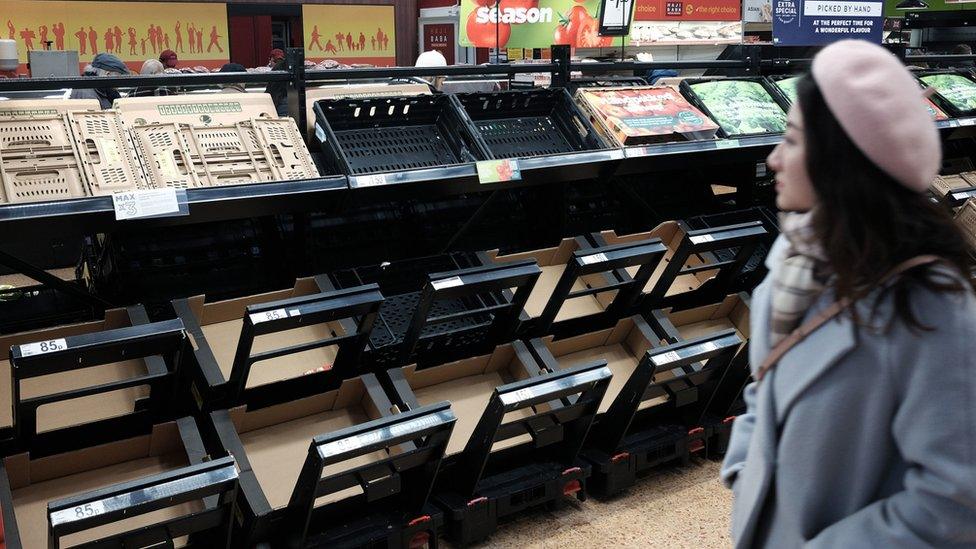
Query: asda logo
(514, 15)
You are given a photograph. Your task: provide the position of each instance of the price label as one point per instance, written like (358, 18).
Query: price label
(726, 143)
(701, 239)
(967, 122)
(498, 171)
(447, 283)
(521, 395)
(709, 346)
(87, 510)
(666, 358)
(42, 347)
(373, 180)
(416, 425)
(257, 318)
(595, 258)
(294, 312)
(145, 203)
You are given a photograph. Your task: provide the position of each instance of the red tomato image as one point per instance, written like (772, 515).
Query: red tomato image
(482, 35)
(505, 171)
(589, 35)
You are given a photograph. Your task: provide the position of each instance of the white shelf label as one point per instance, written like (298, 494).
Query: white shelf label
(257, 318)
(517, 396)
(87, 510)
(967, 122)
(447, 283)
(709, 346)
(43, 347)
(373, 180)
(595, 258)
(701, 239)
(666, 358)
(145, 203)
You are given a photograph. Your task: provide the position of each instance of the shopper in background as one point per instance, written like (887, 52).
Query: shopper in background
(149, 68)
(278, 90)
(104, 64)
(863, 432)
(432, 58)
(233, 88)
(962, 49)
(168, 59)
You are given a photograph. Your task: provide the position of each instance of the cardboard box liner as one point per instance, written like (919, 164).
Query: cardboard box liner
(622, 347)
(36, 482)
(966, 218)
(671, 235)
(195, 109)
(276, 439)
(553, 262)
(80, 410)
(468, 385)
(365, 90)
(731, 313)
(221, 323)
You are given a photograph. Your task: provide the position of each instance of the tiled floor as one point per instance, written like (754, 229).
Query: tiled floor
(673, 508)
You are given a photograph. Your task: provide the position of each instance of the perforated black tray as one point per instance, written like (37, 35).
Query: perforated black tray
(530, 123)
(372, 135)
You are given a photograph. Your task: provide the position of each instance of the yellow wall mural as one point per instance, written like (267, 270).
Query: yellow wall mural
(134, 31)
(350, 34)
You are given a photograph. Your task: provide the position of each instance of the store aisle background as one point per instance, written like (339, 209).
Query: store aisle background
(673, 507)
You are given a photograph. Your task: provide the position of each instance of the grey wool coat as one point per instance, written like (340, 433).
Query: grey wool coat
(860, 438)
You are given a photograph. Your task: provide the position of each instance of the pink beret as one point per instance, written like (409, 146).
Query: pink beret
(879, 105)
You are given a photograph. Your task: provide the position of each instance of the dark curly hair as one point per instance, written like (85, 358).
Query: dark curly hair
(868, 223)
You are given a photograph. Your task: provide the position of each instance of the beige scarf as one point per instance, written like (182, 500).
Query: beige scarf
(799, 279)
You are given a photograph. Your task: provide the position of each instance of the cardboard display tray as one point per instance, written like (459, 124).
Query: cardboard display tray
(739, 124)
(63, 414)
(195, 109)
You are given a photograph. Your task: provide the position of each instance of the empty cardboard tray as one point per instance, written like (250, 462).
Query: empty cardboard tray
(731, 314)
(62, 414)
(198, 110)
(468, 385)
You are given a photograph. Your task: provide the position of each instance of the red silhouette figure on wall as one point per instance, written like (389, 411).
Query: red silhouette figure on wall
(143, 46)
(132, 41)
(362, 41)
(386, 42)
(117, 33)
(199, 34)
(315, 39)
(349, 41)
(93, 40)
(214, 40)
(28, 35)
(81, 35)
(339, 39)
(166, 40)
(330, 47)
(109, 40)
(42, 31)
(151, 33)
(179, 37)
(379, 38)
(11, 30)
(58, 30)
(191, 37)
(372, 43)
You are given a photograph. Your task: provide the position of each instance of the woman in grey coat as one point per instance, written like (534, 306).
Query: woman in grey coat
(863, 432)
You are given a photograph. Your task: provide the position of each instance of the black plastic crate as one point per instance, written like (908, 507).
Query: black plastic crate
(940, 99)
(361, 136)
(754, 269)
(36, 307)
(530, 123)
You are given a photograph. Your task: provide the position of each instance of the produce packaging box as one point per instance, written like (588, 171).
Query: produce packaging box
(641, 115)
(945, 184)
(787, 86)
(966, 218)
(955, 92)
(740, 106)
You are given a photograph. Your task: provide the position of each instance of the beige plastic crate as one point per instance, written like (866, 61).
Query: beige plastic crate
(966, 218)
(366, 90)
(261, 150)
(165, 159)
(108, 157)
(38, 160)
(196, 109)
(31, 108)
(25, 181)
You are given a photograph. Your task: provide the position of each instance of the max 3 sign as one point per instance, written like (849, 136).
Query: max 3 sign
(818, 22)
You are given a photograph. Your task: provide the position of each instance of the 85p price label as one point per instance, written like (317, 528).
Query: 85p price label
(43, 347)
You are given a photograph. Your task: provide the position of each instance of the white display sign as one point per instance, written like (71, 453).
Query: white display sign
(145, 203)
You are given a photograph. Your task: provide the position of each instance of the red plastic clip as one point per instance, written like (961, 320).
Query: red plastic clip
(419, 520)
(619, 457)
(571, 487)
(476, 501)
(729, 419)
(572, 470)
(696, 431)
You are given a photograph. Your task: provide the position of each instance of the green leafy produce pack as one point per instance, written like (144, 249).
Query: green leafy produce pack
(741, 106)
(958, 90)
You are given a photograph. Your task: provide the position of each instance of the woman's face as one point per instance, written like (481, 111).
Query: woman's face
(794, 190)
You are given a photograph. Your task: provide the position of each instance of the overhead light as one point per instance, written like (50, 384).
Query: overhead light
(911, 5)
